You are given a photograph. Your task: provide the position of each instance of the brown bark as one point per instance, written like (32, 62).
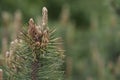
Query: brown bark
(35, 68)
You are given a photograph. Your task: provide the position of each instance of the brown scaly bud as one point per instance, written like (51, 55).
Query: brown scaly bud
(31, 27)
(32, 31)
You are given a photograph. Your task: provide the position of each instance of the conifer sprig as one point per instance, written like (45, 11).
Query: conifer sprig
(35, 54)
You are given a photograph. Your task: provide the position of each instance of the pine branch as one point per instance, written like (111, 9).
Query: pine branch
(35, 54)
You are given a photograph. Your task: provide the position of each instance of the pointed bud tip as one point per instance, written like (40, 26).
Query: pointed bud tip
(31, 20)
(45, 9)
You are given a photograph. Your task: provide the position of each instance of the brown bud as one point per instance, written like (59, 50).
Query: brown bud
(31, 22)
(32, 29)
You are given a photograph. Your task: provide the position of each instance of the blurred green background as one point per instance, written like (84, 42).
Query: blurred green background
(90, 30)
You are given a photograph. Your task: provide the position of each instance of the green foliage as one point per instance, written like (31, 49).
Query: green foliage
(90, 33)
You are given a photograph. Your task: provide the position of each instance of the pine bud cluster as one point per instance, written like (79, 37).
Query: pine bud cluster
(39, 33)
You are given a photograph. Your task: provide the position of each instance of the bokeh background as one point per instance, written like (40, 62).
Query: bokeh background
(90, 30)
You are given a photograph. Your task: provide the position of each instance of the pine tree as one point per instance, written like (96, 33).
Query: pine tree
(35, 54)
